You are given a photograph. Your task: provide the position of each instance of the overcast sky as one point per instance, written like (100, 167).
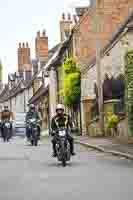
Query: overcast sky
(21, 19)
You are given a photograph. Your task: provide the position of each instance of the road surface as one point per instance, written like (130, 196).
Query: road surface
(30, 173)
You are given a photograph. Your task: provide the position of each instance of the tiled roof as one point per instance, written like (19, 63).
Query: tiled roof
(40, 92)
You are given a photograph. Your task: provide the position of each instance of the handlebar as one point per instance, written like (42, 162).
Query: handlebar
(36, 121)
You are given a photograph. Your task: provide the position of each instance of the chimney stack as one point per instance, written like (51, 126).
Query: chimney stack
(41, 46)
(24, 57)
(65, 27)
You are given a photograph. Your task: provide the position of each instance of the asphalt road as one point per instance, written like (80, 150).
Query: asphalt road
(30, 173)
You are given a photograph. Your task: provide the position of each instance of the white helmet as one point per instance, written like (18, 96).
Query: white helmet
(60, 107)
(32, 106)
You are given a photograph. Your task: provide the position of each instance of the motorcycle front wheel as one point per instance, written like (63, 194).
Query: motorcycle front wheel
(36, 142)
(63, 153)
(32, 142)
(64, 162)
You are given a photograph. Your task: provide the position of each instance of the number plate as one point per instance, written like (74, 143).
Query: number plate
(7, 125)
(32, 120)
(62, 133)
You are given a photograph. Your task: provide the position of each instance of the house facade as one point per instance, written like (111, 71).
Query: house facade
(112, 63)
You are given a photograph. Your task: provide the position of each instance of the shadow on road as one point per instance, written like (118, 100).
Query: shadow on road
(58, 164)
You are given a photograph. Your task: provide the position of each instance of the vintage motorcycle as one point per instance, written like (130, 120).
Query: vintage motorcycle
(7, 130)
(33, 126)
(62, 146)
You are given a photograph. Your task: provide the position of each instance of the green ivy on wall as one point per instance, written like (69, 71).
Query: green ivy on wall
(129, 89)
(71, 83)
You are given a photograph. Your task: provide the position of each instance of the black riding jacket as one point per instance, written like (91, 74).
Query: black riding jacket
(61, 121)
(31, 115)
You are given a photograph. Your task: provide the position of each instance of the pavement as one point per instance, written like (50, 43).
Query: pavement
(108, 145)
(30, 173)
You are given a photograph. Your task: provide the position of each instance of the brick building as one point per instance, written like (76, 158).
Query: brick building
(112, 14)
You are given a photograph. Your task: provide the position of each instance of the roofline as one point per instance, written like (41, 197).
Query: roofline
(34, 98)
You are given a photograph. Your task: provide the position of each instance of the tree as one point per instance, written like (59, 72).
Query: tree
(71, 83)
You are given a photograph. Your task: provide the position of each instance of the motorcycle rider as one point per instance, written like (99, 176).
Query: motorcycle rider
(61, 119)
(6, 115)
(32, 113)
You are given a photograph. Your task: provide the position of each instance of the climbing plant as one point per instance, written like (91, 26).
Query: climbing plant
(71, 83)
(129, 89)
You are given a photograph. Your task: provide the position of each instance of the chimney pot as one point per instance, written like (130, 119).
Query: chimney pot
(19, 45)
(23, 45)
(63, 16)
(38, 34)
(27, 45)
(44, 33)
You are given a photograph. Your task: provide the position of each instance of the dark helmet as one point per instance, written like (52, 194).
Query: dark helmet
(5, 107)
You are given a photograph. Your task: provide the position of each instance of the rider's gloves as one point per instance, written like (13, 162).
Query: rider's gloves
(53, 133)
(13, 123)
